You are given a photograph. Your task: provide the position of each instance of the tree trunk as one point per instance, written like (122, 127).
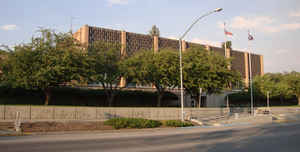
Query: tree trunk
(159, 98)
(111, 100)
(48, 96)
(298, 100)
(281, 100)
(198, 100)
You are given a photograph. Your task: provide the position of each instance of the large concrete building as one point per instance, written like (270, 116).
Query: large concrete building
(133, 42)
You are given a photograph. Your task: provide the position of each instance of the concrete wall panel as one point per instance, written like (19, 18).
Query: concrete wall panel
(85, 113)
(42, 112)
(65, 113)
(11, 112)
(1, 112)
(101, 114)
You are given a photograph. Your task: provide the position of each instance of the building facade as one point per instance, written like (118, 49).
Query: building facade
(133, 42)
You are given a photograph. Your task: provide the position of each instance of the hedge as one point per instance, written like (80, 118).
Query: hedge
(177, 123)
(83, 97)
(118, 123)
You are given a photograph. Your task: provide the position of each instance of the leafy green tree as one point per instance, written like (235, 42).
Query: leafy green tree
(154, 31)
(3, 59)
(3, 66)
(48, 61)
(3, 56)
(274, 83)
(160, 69)
(293, 81)
(4, 52)
(105, 67)
(206, 70)
(228, 44)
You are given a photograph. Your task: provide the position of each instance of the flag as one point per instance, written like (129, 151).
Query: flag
(227, 33)
(250, 37)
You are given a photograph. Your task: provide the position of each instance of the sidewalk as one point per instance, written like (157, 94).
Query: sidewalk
(249, 119)
(235, 119)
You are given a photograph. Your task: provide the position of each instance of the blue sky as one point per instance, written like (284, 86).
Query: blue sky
(275, 24)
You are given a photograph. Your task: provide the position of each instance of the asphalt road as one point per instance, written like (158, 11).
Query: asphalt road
(283, 137)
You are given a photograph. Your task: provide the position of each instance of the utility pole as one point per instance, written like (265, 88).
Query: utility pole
(180, 55)
(71, 24)
(200, 94)
(268, 100)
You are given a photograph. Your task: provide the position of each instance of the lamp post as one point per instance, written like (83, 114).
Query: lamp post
(180, 54)
(200, 94)
(268, 101)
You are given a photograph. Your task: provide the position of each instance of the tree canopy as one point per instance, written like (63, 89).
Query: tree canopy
(154, 31)
(3, 60)
(105, 67)
(159, 69)
(206, 70)
(274, 83)
(48, 61)
(293, 81)
(228, 45)
(278, 85)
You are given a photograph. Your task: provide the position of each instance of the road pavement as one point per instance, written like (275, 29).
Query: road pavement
(279, 137)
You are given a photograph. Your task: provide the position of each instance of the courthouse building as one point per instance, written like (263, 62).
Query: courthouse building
(133, 42)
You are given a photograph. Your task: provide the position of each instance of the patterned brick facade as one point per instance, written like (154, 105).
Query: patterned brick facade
(133, 42)
(168, 43)
(255, 63)
(218, 50)
(102, 34)
(136, 42)
(238, 62)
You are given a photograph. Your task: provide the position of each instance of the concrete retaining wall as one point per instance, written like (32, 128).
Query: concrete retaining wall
(99, 113)
(282, 110)
(274, 110)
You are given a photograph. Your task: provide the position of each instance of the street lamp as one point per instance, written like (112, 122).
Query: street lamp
(180, 54)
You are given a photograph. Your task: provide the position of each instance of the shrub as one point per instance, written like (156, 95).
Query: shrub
(177, 123)
(82, 97)
(118, 123)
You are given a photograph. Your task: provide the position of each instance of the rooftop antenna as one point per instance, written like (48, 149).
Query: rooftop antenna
(121, 26)
(71, 24)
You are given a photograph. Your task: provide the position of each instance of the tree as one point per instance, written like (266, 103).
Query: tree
(293, 81)
(3, 57)
(154, 31)
(104, 63)
(206, 70)
(228, 44)
(160, 69)
(274, 83)
(3, 60)
(4, 52)
(48, 61)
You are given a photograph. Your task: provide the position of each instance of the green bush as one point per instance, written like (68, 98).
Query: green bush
(68, 96)
(242, 99)
(118, 123)
(177, 123)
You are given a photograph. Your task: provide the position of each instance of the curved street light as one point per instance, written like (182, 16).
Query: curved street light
(180, 54)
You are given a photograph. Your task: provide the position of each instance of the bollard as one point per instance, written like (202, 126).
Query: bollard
(236, 115)
(18, 122)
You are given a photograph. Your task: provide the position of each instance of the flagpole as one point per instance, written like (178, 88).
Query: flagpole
(250, 76)
(225, 45)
